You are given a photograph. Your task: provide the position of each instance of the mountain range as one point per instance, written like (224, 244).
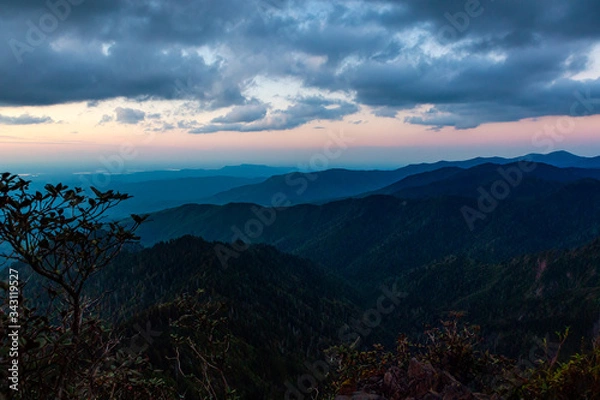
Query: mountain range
(257, 184)
(374, 236)
(296, 262)
(323, 186)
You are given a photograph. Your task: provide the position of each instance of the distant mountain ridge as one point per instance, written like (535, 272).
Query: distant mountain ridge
(155, 190)
(376, 235)
(308, 187)
(150, 196)
(120, 177)
(334, 184)
(453, 181)
(560, 158)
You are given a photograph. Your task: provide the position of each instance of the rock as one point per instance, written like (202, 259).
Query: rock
(481, 396)
(395, 383)
(454, 390)
(423, 378)
(421, 381)
(360, 396)
(372, 385)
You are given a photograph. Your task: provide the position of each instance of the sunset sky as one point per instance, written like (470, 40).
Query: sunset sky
(134, 85)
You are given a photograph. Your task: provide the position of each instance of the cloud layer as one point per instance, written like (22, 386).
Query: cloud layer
(304, 110)
(464, 62)
(129, 115)
(24, 119)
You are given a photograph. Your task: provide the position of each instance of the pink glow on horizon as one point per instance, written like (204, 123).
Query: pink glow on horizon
(62, 143)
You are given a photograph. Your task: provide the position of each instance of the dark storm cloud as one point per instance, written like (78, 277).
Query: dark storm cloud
(113, 49)
(528, 83)
(512, 19)
(130, 69)
(473, 61)
(542, 44)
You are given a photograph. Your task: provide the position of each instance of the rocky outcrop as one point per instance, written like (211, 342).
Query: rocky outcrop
(420, 381)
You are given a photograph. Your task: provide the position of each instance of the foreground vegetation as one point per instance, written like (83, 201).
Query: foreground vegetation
(451, 364)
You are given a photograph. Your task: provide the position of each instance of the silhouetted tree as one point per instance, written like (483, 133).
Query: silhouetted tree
(63, 236)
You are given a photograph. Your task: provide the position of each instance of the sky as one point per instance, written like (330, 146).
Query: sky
(128, 85)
